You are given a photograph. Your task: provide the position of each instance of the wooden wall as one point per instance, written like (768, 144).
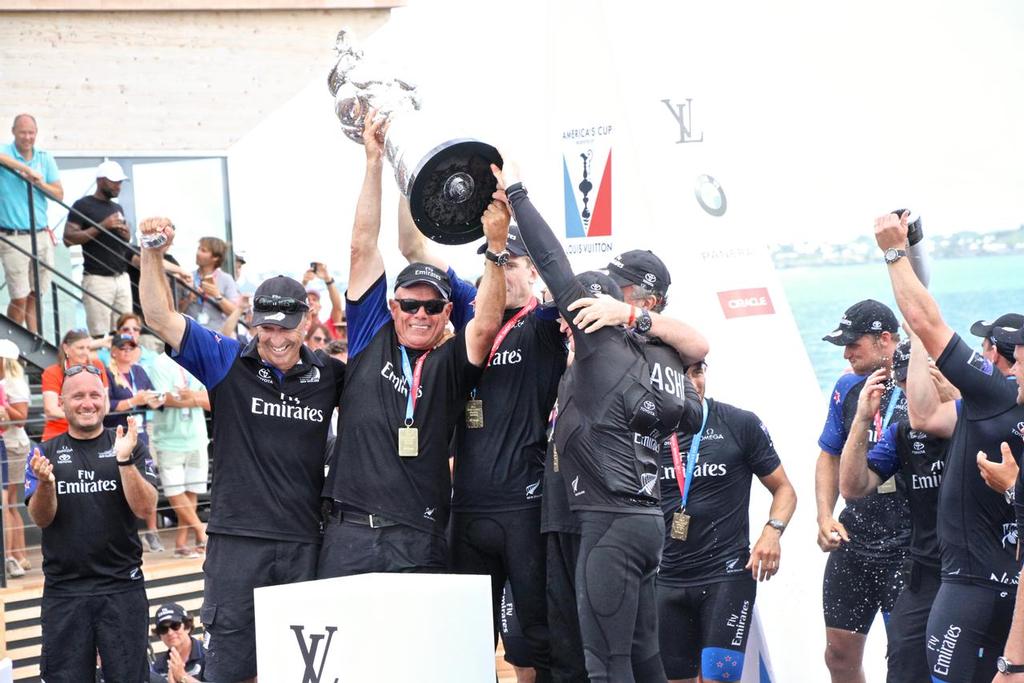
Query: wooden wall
(162, 81)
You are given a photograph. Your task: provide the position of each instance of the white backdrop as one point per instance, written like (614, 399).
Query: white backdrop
(814, 118)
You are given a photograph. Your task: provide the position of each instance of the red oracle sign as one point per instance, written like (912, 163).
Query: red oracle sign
(739, 303)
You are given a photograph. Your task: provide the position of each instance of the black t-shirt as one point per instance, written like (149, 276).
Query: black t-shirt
(91, 547)
(612, 419)
(918, 458)
(555, 515)
(977, 529)
(879, 523)
(369, 473)
(269, 431)
(734, 447)
(104, 254)
(500, 467)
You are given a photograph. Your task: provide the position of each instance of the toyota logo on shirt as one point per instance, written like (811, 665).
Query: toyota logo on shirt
(740, 303)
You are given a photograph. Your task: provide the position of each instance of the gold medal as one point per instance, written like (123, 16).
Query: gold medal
(474, 414)
(680, 526)
(888, 486)
(554, 457)
(408, 442)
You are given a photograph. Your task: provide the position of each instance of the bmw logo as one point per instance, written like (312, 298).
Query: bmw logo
(710, 195)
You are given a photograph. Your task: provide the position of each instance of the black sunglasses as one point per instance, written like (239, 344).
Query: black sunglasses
(431, 306)
(76, 369)
(166, 626)
(275, 304)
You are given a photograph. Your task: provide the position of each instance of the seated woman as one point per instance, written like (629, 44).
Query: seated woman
(185, 659)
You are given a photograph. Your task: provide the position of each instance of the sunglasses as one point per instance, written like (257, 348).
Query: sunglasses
(166, 626)
(275, 304)
(127, 328)
(431, 306)
(76, 369)
(318, 339)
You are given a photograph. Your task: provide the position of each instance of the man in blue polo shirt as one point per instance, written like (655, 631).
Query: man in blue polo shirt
(38, 167)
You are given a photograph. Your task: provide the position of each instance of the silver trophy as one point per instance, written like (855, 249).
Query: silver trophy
(448, 184)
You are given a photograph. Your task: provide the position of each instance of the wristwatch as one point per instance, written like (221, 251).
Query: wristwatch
(500, 259)
(777, 524)
(1005, 666)
(643, 322)
(1010, 495)
(892, 255)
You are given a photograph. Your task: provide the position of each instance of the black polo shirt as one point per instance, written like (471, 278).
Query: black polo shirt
(104, 254)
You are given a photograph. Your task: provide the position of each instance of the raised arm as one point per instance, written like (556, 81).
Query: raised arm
(916, 304)
(415, 246)
(140, 494)
(40, 485)
(856, 480)
(925, 408)
(490, 298)
(367, 264)
(154, 292)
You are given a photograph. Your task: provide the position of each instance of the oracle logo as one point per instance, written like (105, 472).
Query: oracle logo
(739, 303)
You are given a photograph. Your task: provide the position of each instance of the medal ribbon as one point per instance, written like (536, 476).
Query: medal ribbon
(412, 380)
(683, 480)
(505, 329)
(882, 425)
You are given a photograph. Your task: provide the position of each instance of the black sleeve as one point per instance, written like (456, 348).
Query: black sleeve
(758, 448)
(985, 390)
(75, 215)
(693, 410)
(144, 464)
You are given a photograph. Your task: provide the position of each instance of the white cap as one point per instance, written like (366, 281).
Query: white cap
(9, 349)
(112, 171)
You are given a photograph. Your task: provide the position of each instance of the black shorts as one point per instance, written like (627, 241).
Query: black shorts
(75, 628)
(705, 627)
(509, 547)
(517, 648)
(856, 588)
(352, 547)
(967, 630)
(908, 624)
(615, 596)
(234, 567)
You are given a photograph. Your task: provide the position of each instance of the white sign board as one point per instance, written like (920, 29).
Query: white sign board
(376, 627)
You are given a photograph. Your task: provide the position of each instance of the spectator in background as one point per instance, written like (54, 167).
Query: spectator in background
(219, 294)
(337, 317)
(318, 336)
(185, 659)
(74, 350)
(38, 167)
(131, 393)
(338, 349)
(180, 444)
(16, 444)
(106, 252)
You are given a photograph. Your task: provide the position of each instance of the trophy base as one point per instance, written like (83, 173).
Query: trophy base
(451, 187)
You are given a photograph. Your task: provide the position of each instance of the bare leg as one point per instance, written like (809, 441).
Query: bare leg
(844, 655)
(13, 524)
(16, 310)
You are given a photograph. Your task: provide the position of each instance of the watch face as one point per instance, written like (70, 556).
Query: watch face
(1001, 665)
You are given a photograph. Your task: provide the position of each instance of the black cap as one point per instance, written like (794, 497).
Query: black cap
(515, 244)
(984, 328)
(170, 611)
(279, 288)
(864, 317)
(123, 340)
(424, 273)
(640, 267)
(596, 282)
(1013, 334)
(901, 360)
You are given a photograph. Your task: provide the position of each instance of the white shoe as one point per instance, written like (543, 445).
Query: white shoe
(14, 569)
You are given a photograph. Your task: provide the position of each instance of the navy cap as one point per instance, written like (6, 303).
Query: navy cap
(1009, 335)
(170, 611)
(596, 283)
(424, 273)
(277, 289)
(515, 244)
(986, 329)
(864, 317)
(123, 340)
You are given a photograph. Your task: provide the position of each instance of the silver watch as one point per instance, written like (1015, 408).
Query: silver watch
(892, 255)
(1010, 495)
(777, 524)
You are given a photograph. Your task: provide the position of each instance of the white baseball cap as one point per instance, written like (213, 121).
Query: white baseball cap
(9, 349)
(112, 171)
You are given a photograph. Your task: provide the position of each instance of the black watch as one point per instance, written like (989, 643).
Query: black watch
(892, 255)
(500, 259)
(643, 322)
(1005, 666)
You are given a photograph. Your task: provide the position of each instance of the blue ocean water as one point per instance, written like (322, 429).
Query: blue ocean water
(967, 289)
